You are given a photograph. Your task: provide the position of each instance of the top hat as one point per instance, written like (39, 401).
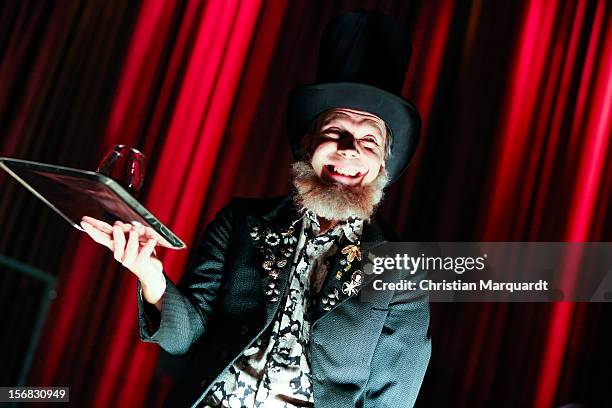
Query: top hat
(363, 60)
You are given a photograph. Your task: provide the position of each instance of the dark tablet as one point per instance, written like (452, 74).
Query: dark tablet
(74, 193)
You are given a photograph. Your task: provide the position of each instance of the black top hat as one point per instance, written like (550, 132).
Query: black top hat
(362, 64)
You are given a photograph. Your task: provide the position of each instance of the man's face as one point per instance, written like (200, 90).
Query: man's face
(348, 147)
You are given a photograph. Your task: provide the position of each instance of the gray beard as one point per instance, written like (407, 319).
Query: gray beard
(335, 201)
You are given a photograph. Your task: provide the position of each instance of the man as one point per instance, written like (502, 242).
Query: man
(271, 308)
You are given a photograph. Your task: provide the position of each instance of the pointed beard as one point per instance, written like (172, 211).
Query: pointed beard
(335, 201)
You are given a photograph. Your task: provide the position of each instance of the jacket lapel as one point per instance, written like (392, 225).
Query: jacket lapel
(274, 236)
(345, 275)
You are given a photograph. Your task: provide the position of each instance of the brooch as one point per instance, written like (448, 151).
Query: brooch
(272, 238)
(350, 288)
(352, 252)
(288, 237)
(276, 248)
(330, 300)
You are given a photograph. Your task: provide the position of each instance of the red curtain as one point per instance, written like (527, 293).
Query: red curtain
(515, 100)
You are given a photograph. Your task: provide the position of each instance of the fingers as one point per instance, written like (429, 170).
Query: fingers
(143, 234)
(128, 254)
(125, 227)
(139, 228)
(104, 226)
(147, 249)
(131, 250)
(150, 233)
(97, 235)
(96, 223)
(118, 243)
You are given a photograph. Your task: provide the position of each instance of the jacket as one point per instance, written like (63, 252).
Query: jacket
(368, 351)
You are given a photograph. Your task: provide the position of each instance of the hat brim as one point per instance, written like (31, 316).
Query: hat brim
(402, 118)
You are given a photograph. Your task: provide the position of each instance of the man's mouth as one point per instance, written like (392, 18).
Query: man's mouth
(345, 175)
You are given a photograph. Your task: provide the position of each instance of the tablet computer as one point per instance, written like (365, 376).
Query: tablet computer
(74, 193)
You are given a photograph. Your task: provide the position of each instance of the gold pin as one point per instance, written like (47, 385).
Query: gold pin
(352, 251)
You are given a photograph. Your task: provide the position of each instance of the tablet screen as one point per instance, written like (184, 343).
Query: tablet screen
(74, 193)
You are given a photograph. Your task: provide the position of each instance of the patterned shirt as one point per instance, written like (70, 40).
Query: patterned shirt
(275, 370)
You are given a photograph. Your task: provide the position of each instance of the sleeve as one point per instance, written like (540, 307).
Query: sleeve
(401, 355)
(186, 307)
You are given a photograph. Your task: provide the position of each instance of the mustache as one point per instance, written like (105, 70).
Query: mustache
(335, 201)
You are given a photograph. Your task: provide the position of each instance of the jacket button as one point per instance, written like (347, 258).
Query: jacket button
(244, 329)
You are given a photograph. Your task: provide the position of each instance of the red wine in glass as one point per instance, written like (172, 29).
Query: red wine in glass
(125, 165)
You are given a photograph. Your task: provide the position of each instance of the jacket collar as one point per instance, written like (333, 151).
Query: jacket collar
(284, 212)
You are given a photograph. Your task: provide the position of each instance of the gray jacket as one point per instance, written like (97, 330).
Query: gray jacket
(368, 351)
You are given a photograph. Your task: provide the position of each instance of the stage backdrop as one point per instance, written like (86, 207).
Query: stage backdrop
(515, 98)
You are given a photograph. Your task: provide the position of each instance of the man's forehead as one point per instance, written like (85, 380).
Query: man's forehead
(354, 116)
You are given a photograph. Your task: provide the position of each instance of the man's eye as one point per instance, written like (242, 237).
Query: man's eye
(331, 132)
(371, 139)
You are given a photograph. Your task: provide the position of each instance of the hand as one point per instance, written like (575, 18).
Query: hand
(137, 255)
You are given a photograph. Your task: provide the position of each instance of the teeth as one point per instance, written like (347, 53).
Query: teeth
(345, 172)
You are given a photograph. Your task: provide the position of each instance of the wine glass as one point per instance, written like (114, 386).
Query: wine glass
(125, 165)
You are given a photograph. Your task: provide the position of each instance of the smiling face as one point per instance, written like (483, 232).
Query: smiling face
(347, 146)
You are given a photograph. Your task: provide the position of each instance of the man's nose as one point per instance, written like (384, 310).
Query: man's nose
(347, 147)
